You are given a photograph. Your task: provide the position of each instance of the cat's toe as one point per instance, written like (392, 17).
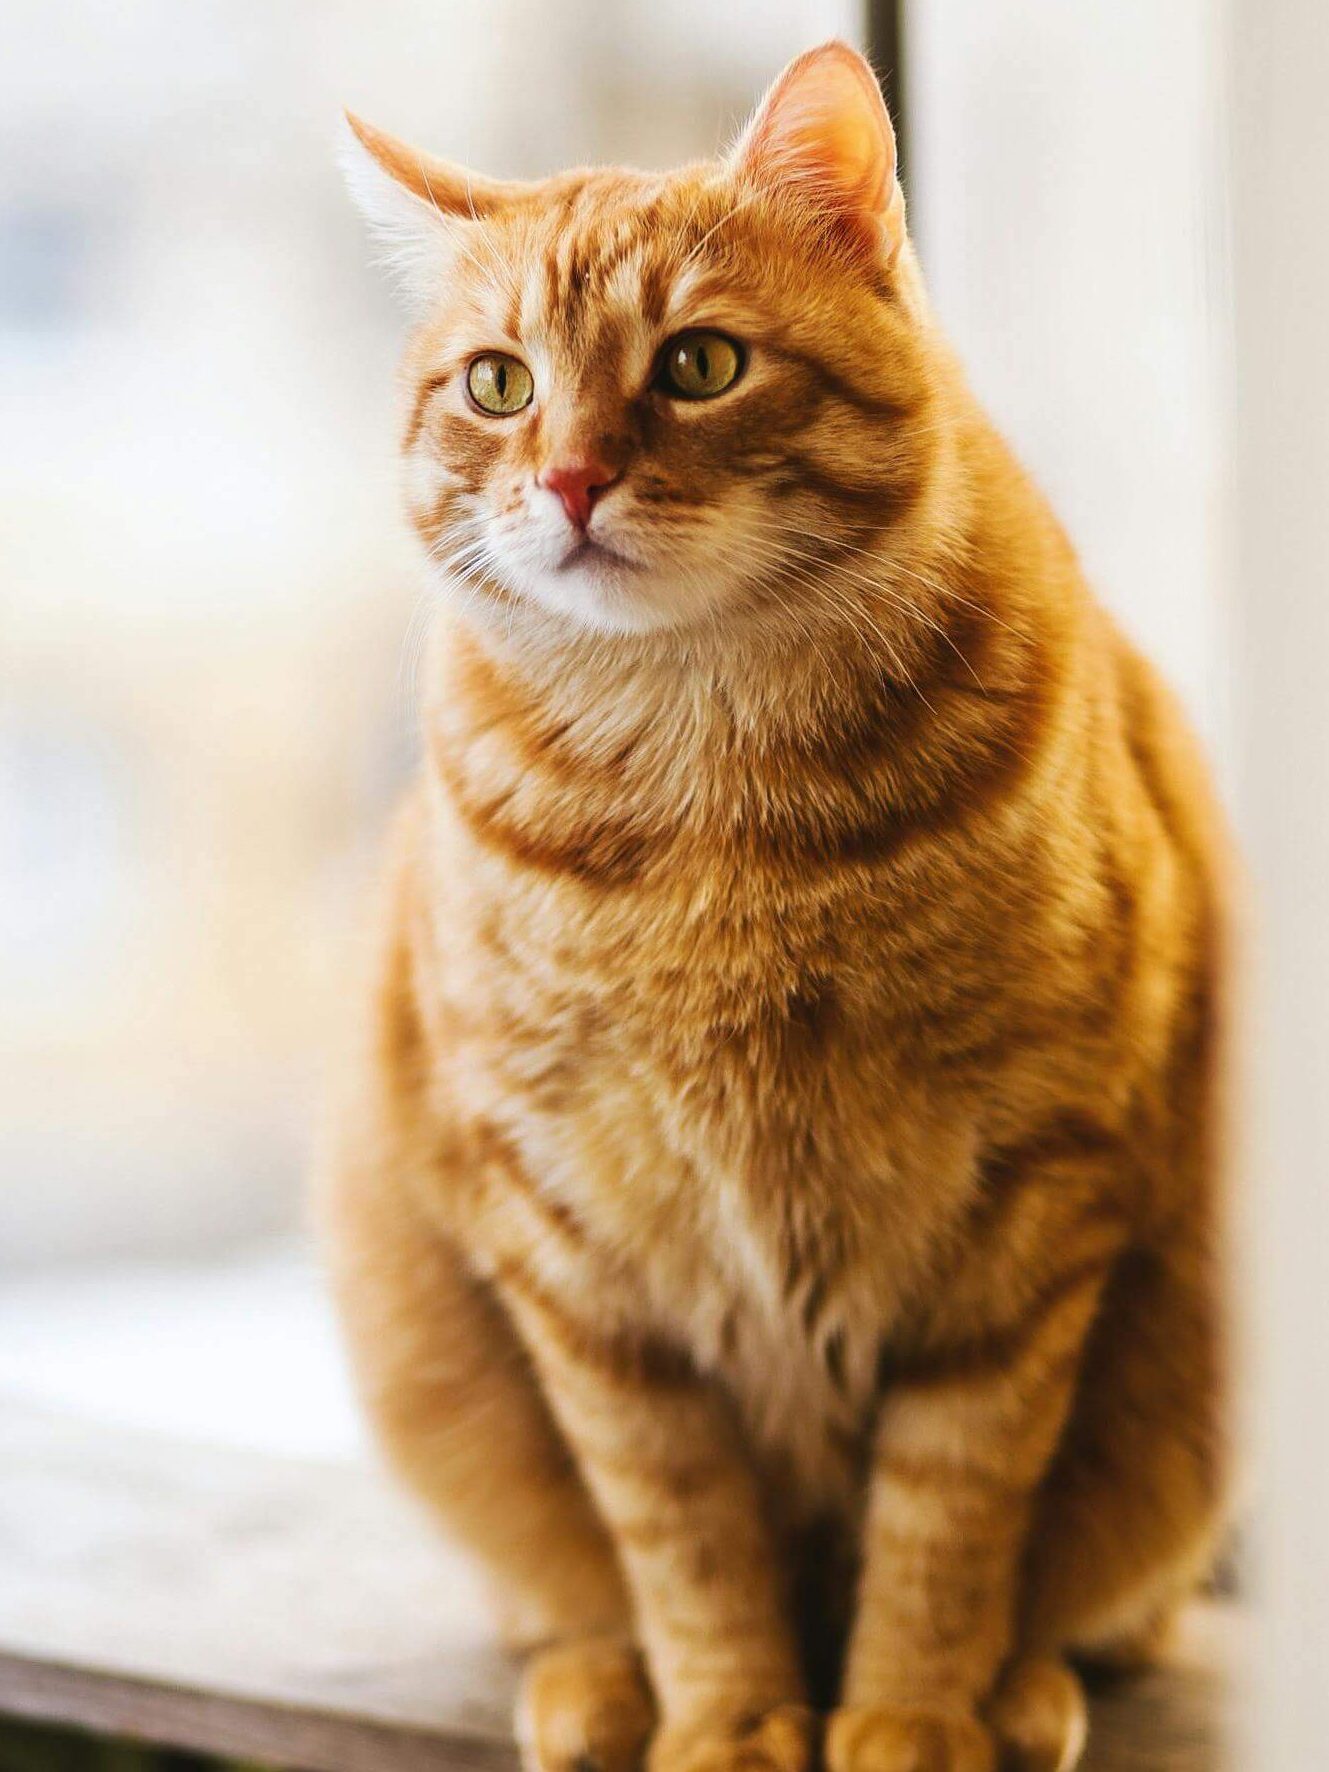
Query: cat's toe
(585, 1707)
(1040, 1717)
(780, 1740)
(894, 1739)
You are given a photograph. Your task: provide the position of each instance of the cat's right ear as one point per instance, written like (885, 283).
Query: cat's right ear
(822, 135)
(415, 204)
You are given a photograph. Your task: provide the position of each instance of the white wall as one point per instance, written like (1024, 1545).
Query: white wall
(1066, 192)
(1280, 63)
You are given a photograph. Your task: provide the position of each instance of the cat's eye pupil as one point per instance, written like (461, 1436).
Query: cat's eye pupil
(501, 381)
(703, 363)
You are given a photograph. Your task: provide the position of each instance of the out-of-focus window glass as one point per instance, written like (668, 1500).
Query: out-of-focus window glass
(204, 586)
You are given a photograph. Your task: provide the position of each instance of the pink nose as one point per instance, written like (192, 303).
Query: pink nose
(578, 484)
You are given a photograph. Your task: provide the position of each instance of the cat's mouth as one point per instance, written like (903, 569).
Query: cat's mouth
(592, 553)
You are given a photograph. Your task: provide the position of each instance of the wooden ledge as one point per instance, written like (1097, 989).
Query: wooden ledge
(303, 1615)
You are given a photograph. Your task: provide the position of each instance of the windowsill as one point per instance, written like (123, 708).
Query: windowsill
(196, 1550)
(238, 1352)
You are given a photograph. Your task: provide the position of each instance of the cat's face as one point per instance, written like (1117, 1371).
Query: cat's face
(645, 402)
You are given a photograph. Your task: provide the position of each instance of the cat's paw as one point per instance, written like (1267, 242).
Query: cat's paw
(1040, 1717)
(780, 1740)
(891, 1738)
(585, 1707)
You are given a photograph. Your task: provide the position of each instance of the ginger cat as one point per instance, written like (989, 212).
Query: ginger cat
(776, 1222)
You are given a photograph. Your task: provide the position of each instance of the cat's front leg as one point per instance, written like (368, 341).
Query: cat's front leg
(962, 1446)
(664, 1462)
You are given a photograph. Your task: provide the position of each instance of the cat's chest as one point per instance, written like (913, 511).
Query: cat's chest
(779, 1317)
(731, 1125)
(781, 1245)
(716, 1096)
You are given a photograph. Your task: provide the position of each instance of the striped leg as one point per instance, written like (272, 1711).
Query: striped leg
(460, 1415)
(962, 1449)
(662, 1459)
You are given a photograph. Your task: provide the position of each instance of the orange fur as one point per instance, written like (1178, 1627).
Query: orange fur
(776, 1217)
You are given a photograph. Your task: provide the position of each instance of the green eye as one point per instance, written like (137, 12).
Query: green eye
(499, 384)
(699, 365)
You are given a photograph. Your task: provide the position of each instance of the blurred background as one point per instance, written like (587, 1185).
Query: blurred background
(208, 606)
(205, 593)
(209, 612)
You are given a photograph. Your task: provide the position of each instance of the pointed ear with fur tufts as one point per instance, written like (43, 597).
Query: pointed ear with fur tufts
(415, 203)
(823, 134)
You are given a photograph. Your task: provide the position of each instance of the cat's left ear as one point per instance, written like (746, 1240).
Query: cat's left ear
(822, 132)
(416, 203)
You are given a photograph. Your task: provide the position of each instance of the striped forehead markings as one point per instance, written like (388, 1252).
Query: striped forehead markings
(593, 291)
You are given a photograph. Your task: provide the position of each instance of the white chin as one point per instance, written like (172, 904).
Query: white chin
(608, 600)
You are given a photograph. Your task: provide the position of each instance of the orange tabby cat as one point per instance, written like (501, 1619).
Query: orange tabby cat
(776, 1223)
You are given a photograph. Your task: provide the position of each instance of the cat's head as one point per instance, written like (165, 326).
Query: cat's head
(646, 401)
